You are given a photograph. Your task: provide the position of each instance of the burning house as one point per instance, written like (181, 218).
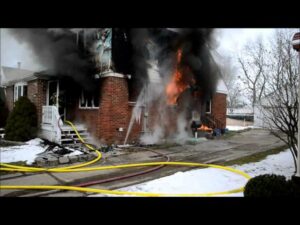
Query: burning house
(121, 85)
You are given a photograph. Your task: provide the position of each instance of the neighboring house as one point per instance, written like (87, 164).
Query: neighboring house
(245, 112)
(270, 105)
(105, 112)
(261, 114)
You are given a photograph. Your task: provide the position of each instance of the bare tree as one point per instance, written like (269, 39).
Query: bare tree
(279, 106)
(228, 71)
(252, 63)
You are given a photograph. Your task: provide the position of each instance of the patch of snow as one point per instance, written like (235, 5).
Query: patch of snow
(216, 180)
(75, 152)
(36, 141)
(27, 152)
(236, 128)
(124, 146)
(279, 164)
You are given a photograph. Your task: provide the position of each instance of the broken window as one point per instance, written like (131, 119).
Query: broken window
(20, 90)
(208, 106)
(89, 99)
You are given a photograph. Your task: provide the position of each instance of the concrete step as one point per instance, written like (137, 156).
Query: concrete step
(74, 134)
(74, 139)
(69, 128)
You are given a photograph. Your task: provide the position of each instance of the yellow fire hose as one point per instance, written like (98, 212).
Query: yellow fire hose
(78, 168)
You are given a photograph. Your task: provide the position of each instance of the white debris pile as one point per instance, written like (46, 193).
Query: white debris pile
(29, 152)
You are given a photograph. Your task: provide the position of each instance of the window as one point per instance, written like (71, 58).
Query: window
(89, 100)
(20, 90)
(208, 107)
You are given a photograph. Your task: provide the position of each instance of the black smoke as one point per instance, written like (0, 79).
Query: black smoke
(130, 55)
(196, 45)
(58, 51)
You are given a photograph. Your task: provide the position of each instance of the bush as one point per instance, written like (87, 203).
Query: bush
(22, 122)
(270, 186)
(3, 109)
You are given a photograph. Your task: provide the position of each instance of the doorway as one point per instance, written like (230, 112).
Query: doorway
(56, 96)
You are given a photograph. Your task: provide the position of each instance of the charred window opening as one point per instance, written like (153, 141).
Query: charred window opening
(208, 106)
(122, 57)
(122, 51)
(89, 99)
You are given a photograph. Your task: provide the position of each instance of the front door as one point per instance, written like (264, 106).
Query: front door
(56, 96)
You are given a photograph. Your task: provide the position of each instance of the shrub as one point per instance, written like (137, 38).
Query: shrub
(269, 186)
(22, 122)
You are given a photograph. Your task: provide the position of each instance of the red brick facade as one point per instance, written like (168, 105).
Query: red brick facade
(114, 110)
(114, 113)
(218, 108)
(36, 92)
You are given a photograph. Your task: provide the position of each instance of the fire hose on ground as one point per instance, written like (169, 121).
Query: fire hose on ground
(83, 188)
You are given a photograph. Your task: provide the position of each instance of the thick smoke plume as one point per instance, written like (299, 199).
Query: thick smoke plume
(196, 46)
(162, 46)
(57, 50)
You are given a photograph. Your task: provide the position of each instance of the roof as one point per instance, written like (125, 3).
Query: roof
(10, 75)
(221, 87)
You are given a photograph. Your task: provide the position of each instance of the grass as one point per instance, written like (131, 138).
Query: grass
(256, 157)
(5, 144)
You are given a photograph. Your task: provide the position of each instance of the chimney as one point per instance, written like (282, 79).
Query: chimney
(19, 65)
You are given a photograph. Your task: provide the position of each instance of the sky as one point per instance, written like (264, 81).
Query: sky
(229, 41)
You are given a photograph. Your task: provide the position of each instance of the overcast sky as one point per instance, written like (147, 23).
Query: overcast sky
(230, 41)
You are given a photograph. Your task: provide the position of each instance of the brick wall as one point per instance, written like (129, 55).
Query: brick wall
(9, 97)
(36, 93)
(90, 119)
(218, 108)
(114, 112)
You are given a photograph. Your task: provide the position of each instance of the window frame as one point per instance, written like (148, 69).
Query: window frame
(87, 107)
(20, 85)
(208, 111)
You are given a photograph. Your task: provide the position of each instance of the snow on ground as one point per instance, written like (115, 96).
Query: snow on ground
(75, 152)
(280, 164)
(235, 128)
(25, 152)
(36, 141)
(216, 180)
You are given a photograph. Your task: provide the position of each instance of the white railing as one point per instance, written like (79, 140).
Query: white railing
(1, 132)
(51, 117)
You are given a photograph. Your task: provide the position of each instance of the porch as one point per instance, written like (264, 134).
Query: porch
(54, 129)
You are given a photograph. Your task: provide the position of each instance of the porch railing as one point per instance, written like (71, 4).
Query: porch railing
(51, 117)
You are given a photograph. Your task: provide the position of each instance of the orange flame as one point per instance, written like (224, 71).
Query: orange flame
(177, 85)
(205, 128)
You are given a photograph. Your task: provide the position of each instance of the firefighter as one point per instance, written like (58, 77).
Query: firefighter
(194, 127)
